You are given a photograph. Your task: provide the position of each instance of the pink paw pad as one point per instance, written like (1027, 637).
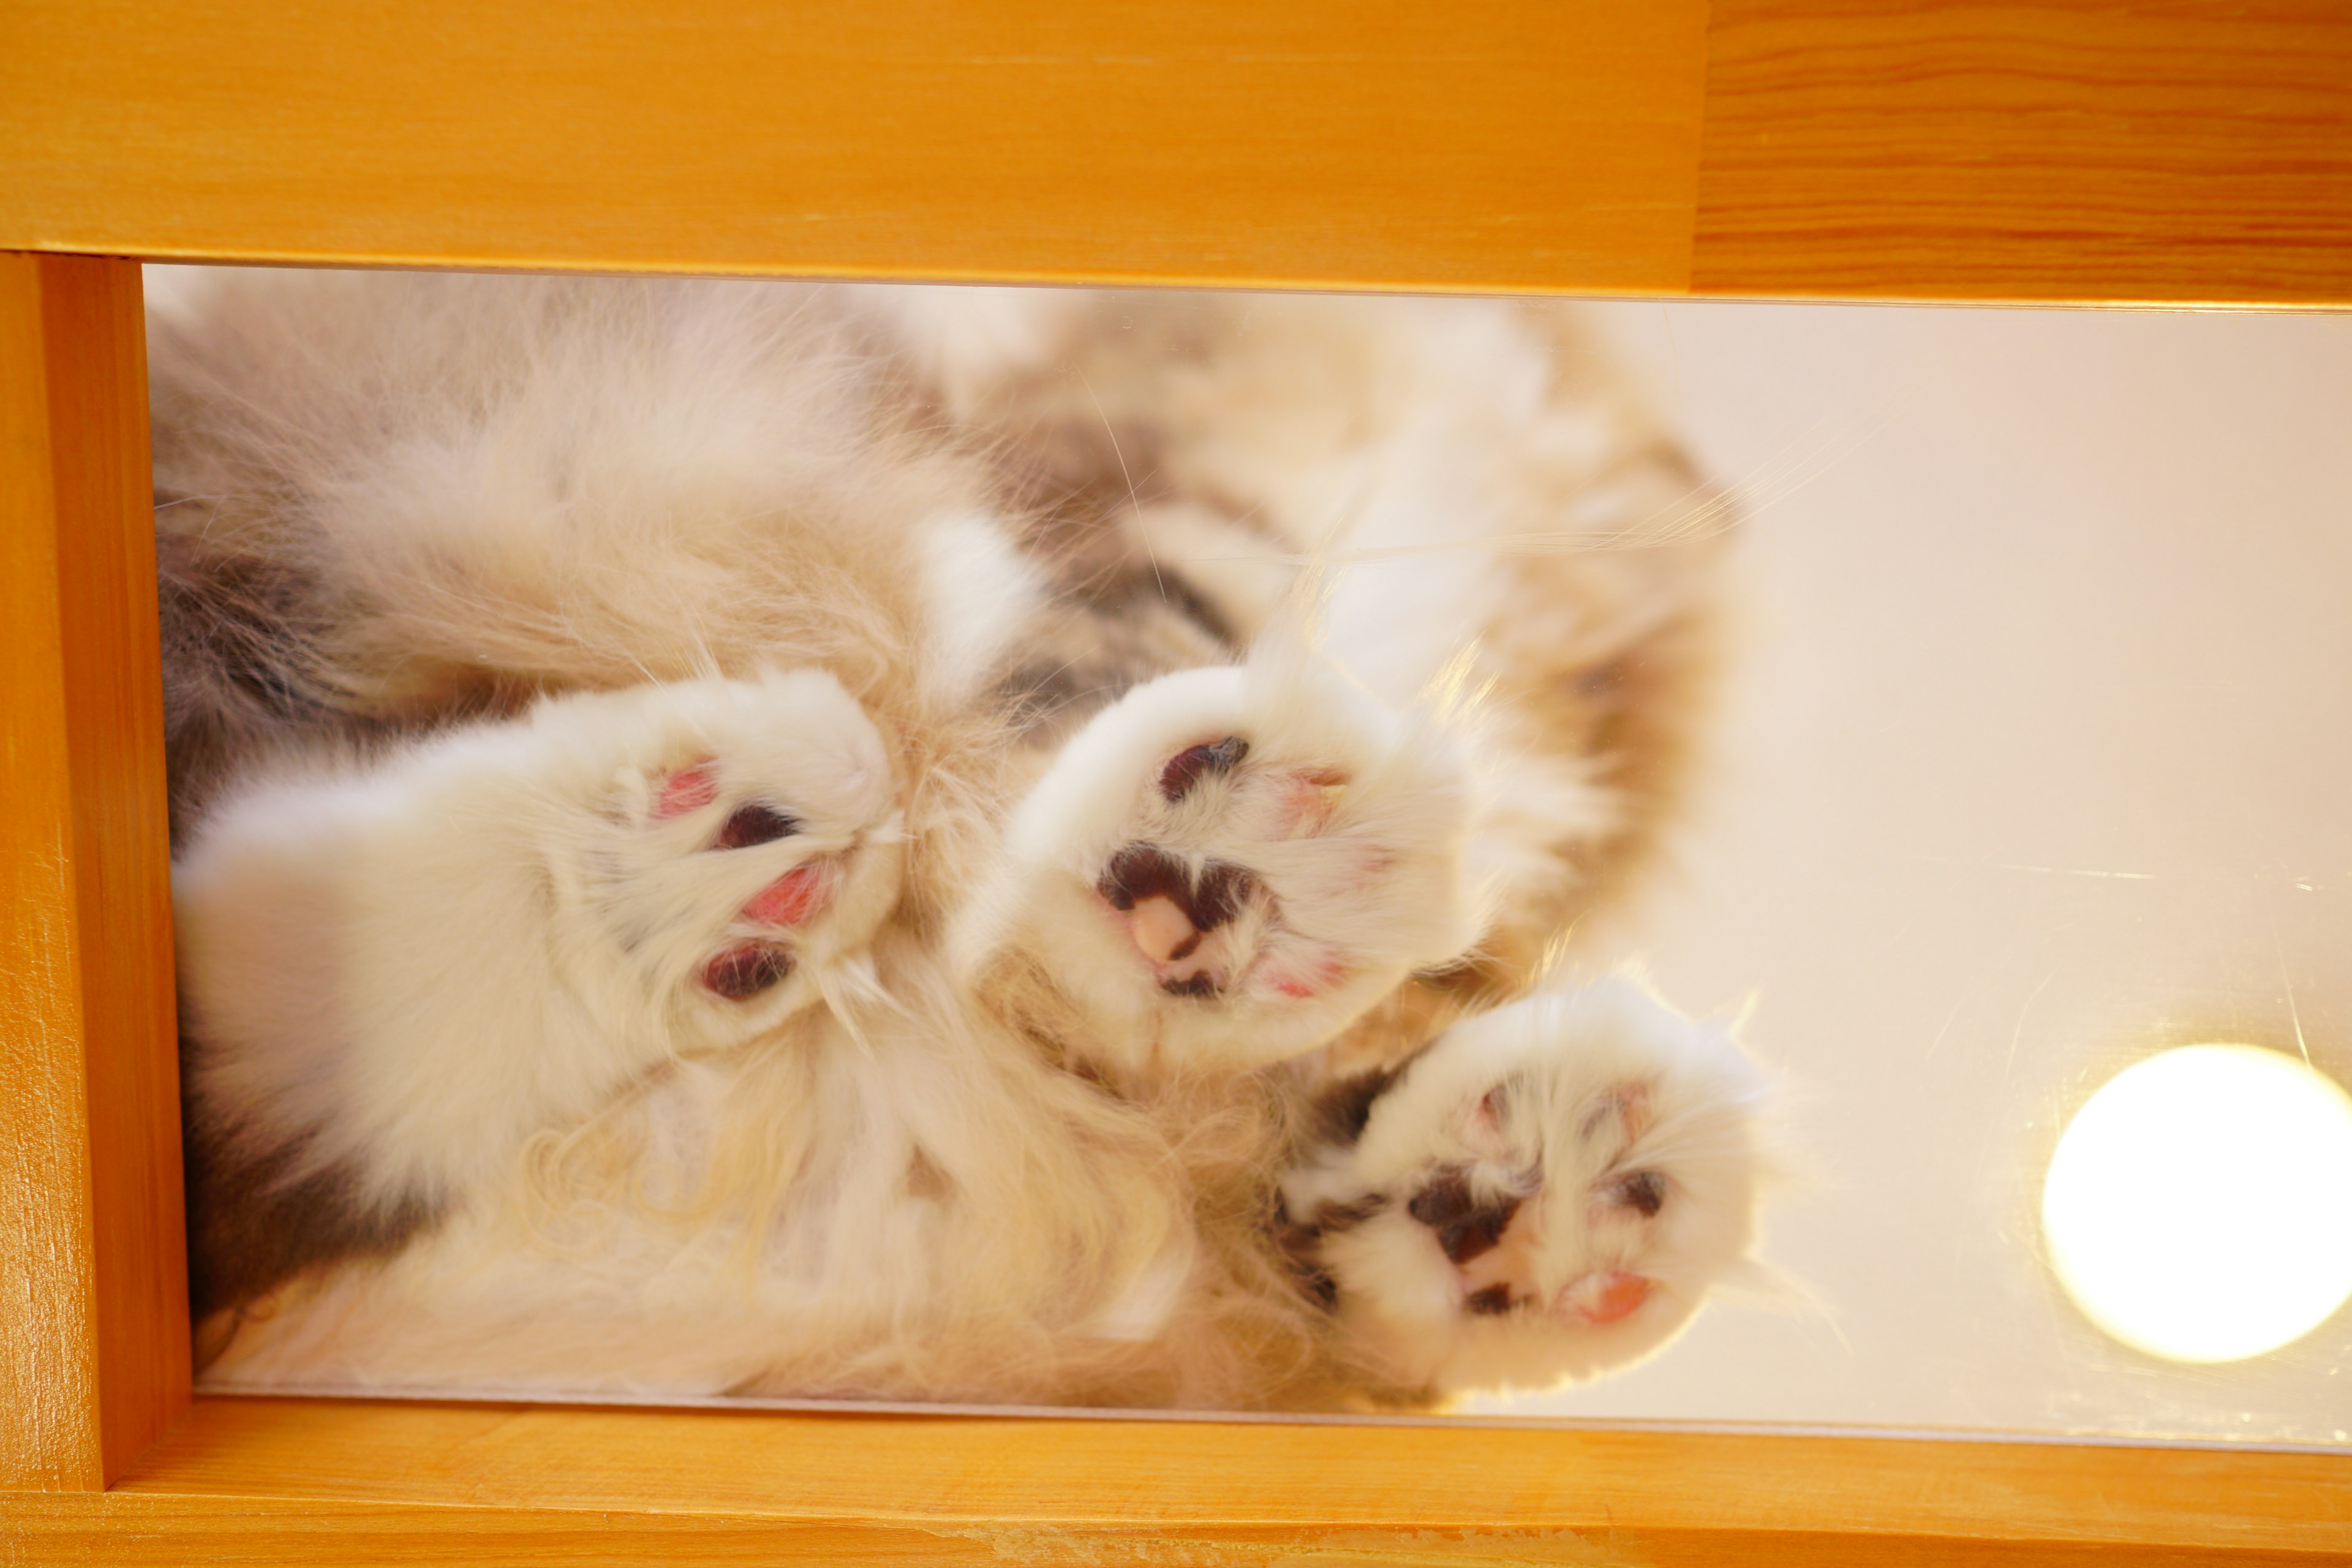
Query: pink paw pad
(1310, 796)
(1307, 974)
(1627, 1104)
(689, 789)
(800, 894)
(1174, 918)
(1605, 1297)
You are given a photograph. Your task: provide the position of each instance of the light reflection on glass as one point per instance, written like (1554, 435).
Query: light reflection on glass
(2199, 1207)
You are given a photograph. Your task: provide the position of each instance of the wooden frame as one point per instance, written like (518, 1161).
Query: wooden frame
(2191, 152)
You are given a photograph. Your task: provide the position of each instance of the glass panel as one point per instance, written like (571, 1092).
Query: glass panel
(1023, 846)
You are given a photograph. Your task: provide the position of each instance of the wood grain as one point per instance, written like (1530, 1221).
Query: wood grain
(2175, 150)
(286, 1479)
(2169, 150)
(95, 1309)
(111, 1531)
(1500, 143)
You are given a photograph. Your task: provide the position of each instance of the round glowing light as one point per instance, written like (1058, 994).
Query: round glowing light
(2200, 1204)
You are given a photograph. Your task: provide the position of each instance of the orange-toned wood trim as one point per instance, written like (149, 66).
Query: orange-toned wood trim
(310, 1481)
(94, 1308)
(2177, 151)
(2181, 151)
(1497, 143)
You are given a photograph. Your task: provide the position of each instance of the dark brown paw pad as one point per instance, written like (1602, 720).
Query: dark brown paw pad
(1188, 767)
(1466, 1224)
(1644, 1192)
(1492, 1302)
(1172, 909)
(752, 825)
(746, 969)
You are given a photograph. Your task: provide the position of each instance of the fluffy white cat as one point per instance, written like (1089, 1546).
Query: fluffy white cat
(932, 844)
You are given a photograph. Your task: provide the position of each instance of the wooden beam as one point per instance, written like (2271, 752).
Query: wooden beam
(335, 1480)
(93, 1311)
(2175, 151)
(2172, 151)
(1496, 143)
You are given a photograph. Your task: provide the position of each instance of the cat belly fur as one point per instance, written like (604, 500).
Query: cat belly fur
(922, 1213)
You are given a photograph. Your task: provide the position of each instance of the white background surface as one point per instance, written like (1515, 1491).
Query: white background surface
(2036, 755)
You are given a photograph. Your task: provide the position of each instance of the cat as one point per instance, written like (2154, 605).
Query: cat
(977, 845)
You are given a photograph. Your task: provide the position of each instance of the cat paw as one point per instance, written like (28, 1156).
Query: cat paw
(1229, 865)
(403, 967)
(1546, 1192)
(743, 843)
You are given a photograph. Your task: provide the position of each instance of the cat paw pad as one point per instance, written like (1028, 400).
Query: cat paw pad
(749, 839)
(804, 892)
(1208, 927)
(1233, 863)
(1548, 1191)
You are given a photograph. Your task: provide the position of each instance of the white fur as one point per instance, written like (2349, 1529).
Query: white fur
(965, 338)
(978, 593)
(560, 925)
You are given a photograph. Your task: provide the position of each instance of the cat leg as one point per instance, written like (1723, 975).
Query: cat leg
(1479, 500)
(1544, 1194)
(1228, 865)
(394, 974)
